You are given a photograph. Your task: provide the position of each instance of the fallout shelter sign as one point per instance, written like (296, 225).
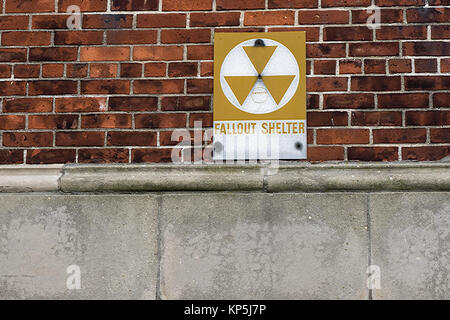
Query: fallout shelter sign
(260, 96)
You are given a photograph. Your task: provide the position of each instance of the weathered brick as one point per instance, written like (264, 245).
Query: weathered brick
(350, 66)
(135, 5)
(14, 156)
(377, 118)
(342, 136)
(186, 103)
(26, 38)
(158, 86)
(129, 104)
(131, 138)
(161, 20)
(106, 121)
(160, 120)
(349, 101)
(239, 4)
(373, 153)
(12, 122)
(362, 83)
(425, 153)
(292, 4)
(158, 53)
(105, 87)
(27, 139)
(399, 135)
(104, 54)
(325, 67)
(51, 121)
(325, 153)
(111, 155)
(80, 104)
(325, 119)
(374, 49)
(27, 105)
(426, 48)
(400, 66)
(31, 6)
(52, 87)
(51, 156)
(347, 34)
(83, 138)
(427, 118)
(440, 135)
(215, 19)
(425, 65)
(403, 100)
(427, 83)
(151, 155)
(131, 36)
(317, 84)
(264, 18)
(107, 21)
(187, 5)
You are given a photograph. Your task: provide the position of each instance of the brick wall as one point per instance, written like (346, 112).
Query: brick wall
(115, 90)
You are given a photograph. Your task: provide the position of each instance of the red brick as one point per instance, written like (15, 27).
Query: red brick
(104, 70)
(12, 88)
(373, 153)
(335, 50)
(27, 105)
(84, 138)
(427, 118)
(31, 6)
(200, 52)
(52, 87)
(130, 103)
(26, 38)
(326, 119)
(317, 84)
(349, 101)
(51, 121)
(187, 5)
(13, 55)
(160, 120)
(186, 36)
(80, 104)
(361, 83)
(27, 139)
(441, 100)
(105, 87)
(325, 153)
(378, 118)
(106, 121)
(401, 32)
(51, 156)
(375, 66)
(215, 19)
(374, 49)
(312, 101)
(426, 48)
(155, 69)
(386, 16)
(428, 15)
(85, 5)
(158, 86)
(350, 66)
(53, 70)
(342, 136)
(54, 21)
(206, 69)
(325, 67)
(403, 100)
(183, 69)
(135, 5)
(440, 135)
(345, 3)
(185, 103)
(161, 20)
(425, 65)
(11, 156)
(10, 122)
(400, 66)
(54, 54)
(104, 54)
(206, 119)
(390, 3)
(103, 155)
(5, 71)
(27, 71)
(239, 4)
(427, 83)
(440, 32)
(264, 18)
(165, 138)
(199, 86)
(130, 70)
(292, 4)
(425, 153)
(399, 135)
(152, 155)
(158, 53)
(131, 138)
(347, 34)
(323, 17)
(77, 70)
(107, 21)
(78, 37)
(445, 65)
(131, 36)
(14, 22)
(312, 33)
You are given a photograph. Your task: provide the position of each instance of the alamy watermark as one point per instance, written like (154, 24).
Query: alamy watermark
(73, 281)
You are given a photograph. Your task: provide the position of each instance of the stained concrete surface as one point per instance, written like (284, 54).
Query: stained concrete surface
(411, 244)
(112, 238)
(264, 246)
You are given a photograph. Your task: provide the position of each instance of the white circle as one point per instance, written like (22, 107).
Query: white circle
(237, 63)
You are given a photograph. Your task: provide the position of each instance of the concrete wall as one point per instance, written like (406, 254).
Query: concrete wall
(224, 243)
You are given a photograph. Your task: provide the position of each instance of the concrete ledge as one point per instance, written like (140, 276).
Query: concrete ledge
(217, 177)
(29, 178)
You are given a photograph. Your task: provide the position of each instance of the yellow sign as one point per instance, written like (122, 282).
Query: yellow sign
(260, 95)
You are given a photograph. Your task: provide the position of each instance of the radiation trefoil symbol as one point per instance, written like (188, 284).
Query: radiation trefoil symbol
(259, 76)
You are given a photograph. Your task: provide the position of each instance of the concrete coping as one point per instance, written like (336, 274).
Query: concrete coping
(283, 177)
